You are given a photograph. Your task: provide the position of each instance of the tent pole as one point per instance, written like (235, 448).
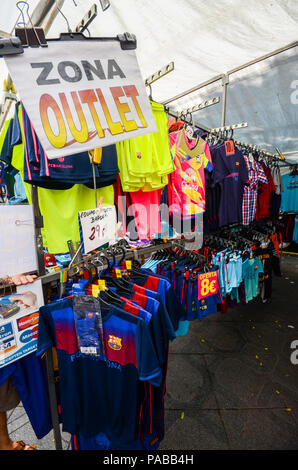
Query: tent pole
(53, 399)
(40, 11)
(48, 23)
(225, 83)
(192, 90)
(263, 57)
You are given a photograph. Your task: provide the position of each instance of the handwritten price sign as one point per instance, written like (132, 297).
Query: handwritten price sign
(207, 284)
(97, 227)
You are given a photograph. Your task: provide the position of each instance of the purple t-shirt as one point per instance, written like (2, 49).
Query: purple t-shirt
(230, 171)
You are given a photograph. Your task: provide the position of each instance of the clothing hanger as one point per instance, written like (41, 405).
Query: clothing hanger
(189, 127)
(122, 280)
(107, 294)
(111, 297)
(112, 280)
(135, 272)
(115, 282)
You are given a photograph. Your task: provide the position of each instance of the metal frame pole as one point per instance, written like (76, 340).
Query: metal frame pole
(196, 88)
(53, 399)
(225, 83)
(40, 11)
(230, 72)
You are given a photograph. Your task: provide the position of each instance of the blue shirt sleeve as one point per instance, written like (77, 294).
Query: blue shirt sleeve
(6, 151)
(244, 269)
(243, 170)
(46, 331)
(260, 265)
(16, 137)
(174, 308)
(148, 366)
(220, 168)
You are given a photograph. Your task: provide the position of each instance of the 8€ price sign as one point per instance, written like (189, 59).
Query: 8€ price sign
(207, 284)
(97, 227)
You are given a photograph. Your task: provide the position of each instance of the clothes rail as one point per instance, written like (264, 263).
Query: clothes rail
(87, 19)
(215, 130)
(197, 107)
(157, 75)
(130, 254)
(254, 147)
(218, 130)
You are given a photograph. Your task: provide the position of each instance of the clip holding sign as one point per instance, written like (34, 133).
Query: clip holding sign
(31, 37)
(127, 41)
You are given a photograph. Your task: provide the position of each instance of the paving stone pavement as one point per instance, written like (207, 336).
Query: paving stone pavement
(231, 383)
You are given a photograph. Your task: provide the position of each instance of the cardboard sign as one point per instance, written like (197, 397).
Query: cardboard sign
(81, 95)
(97, 227)
(207, 284)
(17, 240)
(19, 322)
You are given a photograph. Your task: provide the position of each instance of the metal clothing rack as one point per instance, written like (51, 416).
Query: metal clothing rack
(109, 253)
(198, 107)
(157, 75)
(217, 131)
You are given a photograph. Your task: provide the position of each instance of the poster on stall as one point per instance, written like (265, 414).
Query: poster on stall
(19, 313)
(97, 227)
(17, 248)
(207, 284)
(81, 95)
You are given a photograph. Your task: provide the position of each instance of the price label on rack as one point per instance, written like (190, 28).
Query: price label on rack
(97, 227)
(207, 284)
(229, 147)
(128, 265)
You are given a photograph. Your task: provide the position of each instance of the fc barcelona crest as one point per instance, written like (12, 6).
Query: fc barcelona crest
(115, 343)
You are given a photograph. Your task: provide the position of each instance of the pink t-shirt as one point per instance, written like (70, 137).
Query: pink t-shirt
(187, 191)
(146, 210)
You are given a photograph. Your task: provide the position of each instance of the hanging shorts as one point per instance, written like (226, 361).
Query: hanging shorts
(9, 397)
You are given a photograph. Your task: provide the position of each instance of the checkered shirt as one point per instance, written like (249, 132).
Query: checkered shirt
(256, 175)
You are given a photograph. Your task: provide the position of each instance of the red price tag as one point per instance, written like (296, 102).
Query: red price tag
(229, 146)
(207, 284)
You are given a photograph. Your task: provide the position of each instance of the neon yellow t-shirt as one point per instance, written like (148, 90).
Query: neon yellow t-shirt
(145, 162)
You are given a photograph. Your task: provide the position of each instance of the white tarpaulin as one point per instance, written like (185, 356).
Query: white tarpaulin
(204, 39)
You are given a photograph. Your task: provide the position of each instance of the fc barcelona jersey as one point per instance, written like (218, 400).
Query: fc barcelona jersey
(100, 394)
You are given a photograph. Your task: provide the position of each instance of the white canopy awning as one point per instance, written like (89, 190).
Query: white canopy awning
(205, 39)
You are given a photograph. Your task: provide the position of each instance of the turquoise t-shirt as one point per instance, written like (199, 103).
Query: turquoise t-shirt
(289, 198)
(251, 268)
(295, 233)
